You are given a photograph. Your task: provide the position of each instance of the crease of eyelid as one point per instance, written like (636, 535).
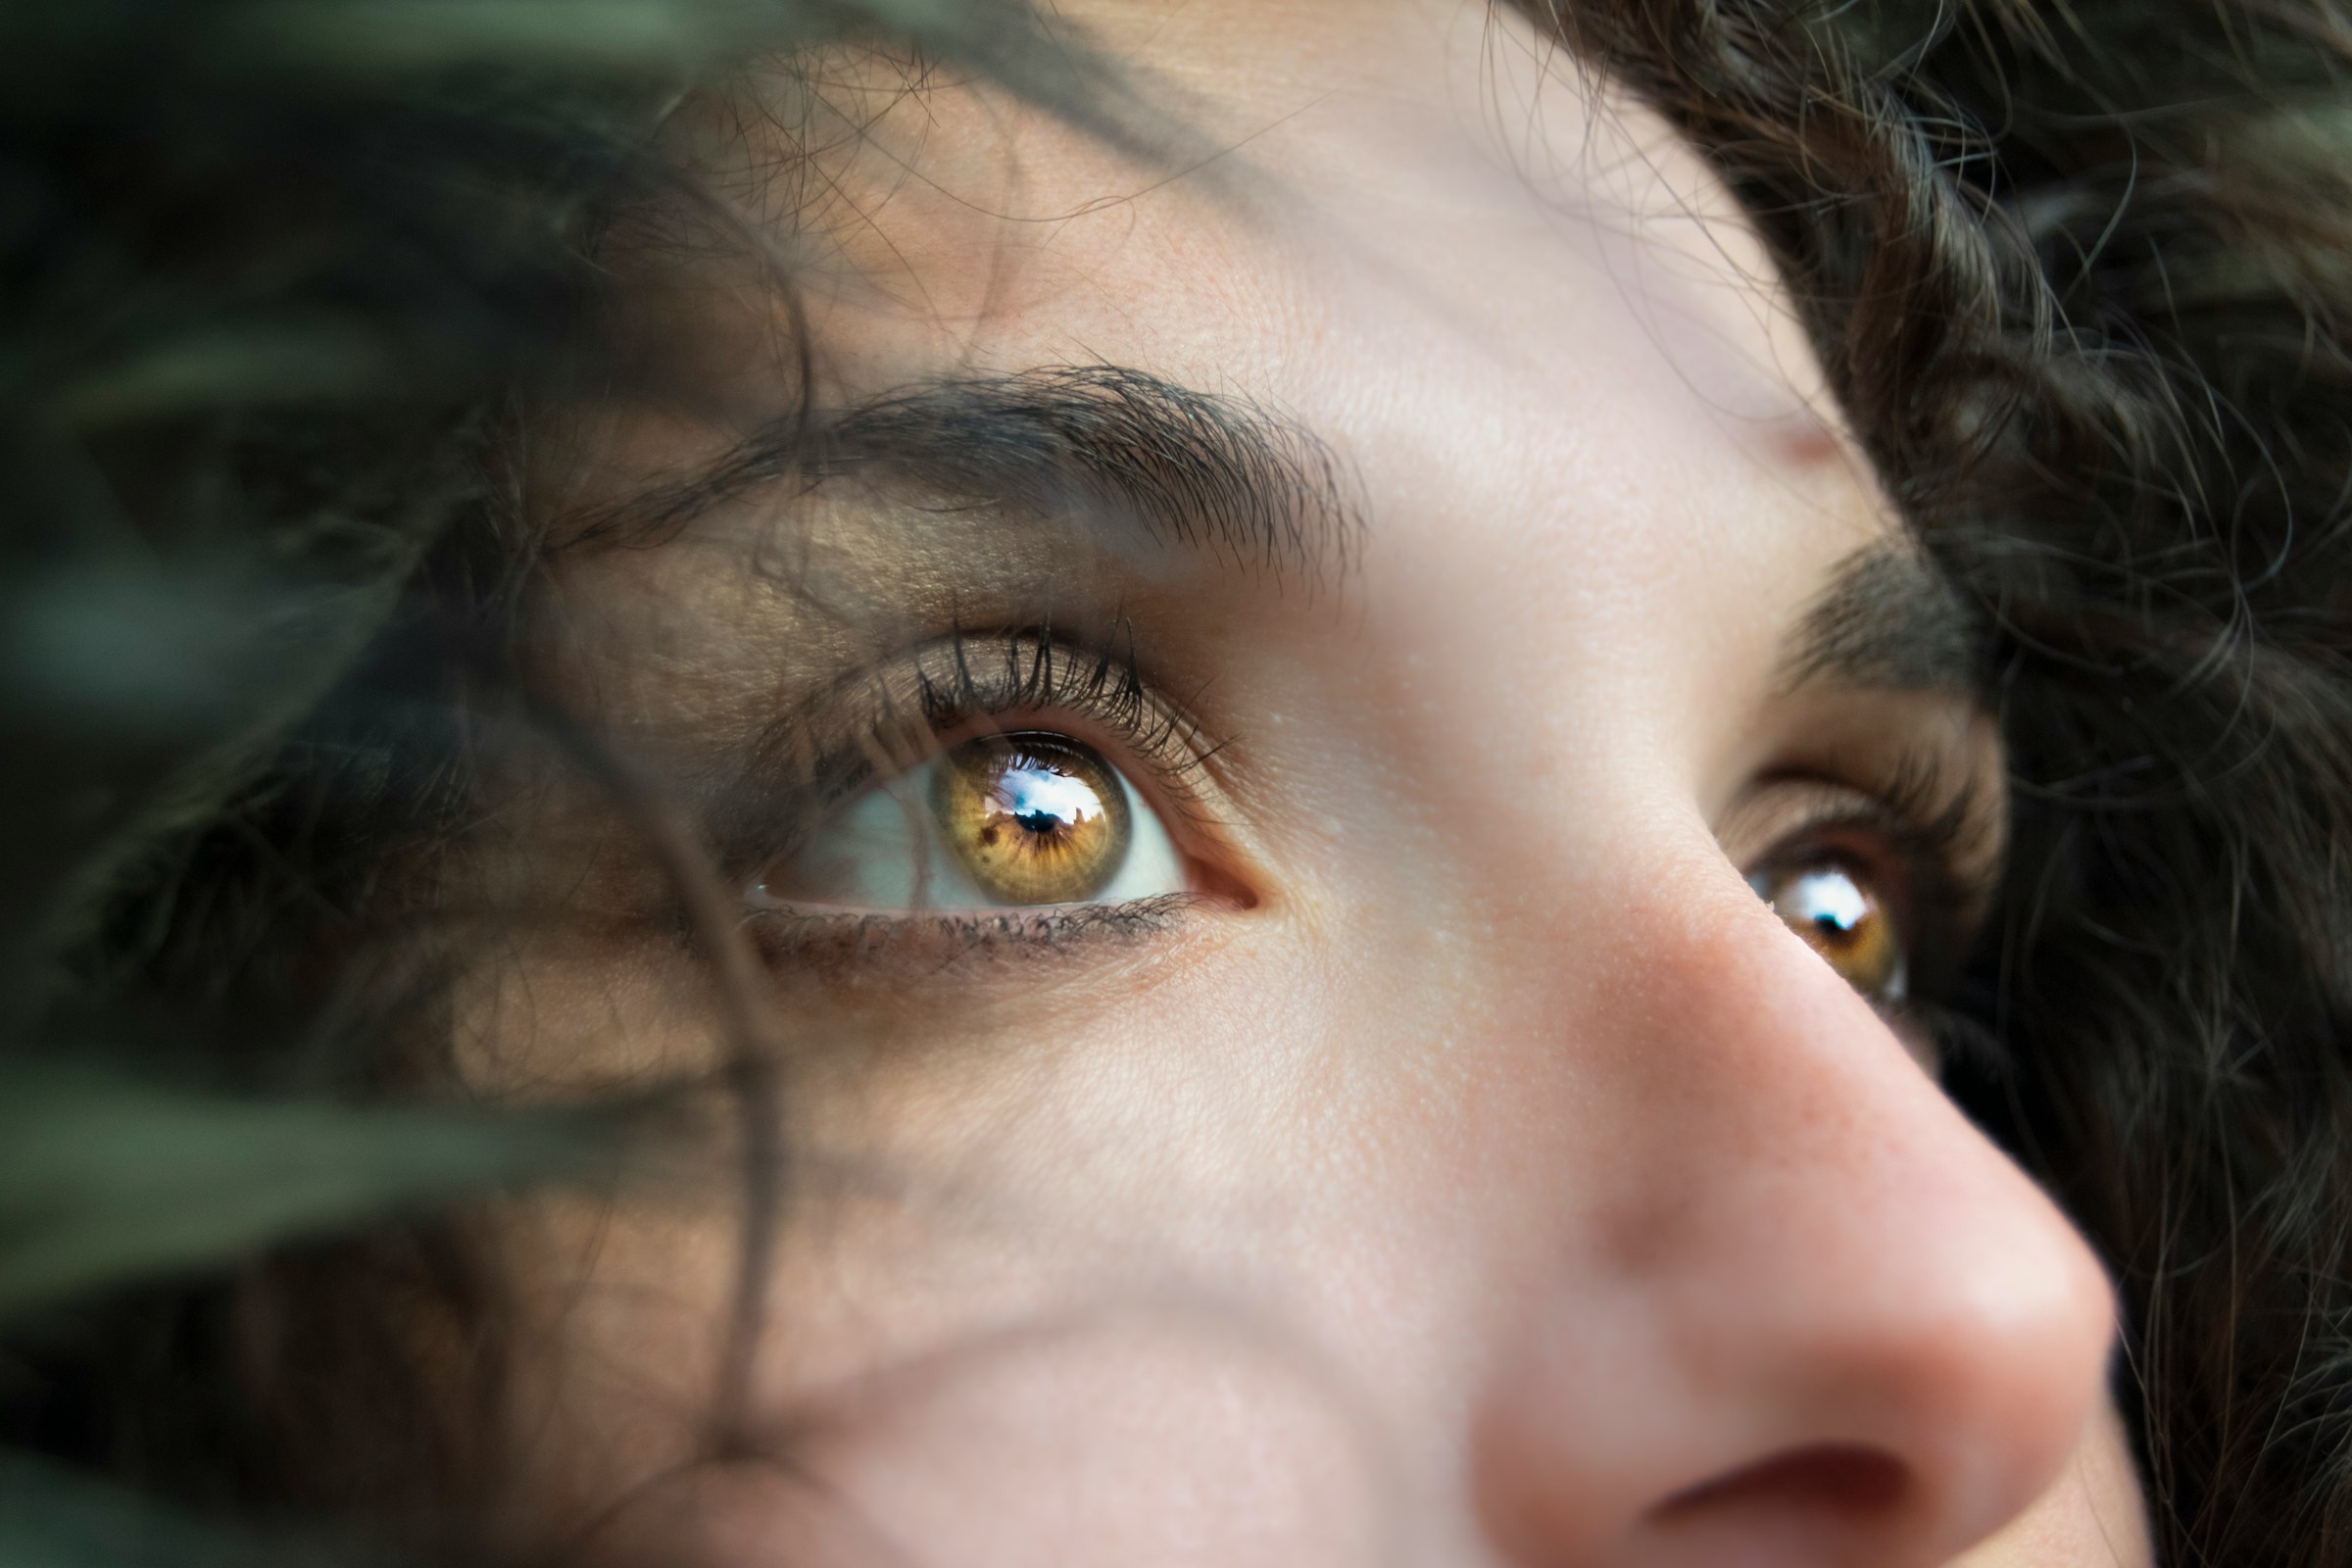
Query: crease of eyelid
(1922, 803)
(1938, 791)
(899, 712)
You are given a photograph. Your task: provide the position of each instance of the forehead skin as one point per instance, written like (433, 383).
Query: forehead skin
(1521, 313)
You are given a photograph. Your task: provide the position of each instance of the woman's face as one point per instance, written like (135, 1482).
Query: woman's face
(1350, 805)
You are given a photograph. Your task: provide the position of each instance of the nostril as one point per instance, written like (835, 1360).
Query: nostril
(1825, 1478)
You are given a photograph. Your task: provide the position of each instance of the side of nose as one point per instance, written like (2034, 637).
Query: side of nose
(1802, 1311)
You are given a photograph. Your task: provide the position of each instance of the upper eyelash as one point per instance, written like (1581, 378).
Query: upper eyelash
(1938, 819)
(1931, 820)
(862, 730)
(1105, 685)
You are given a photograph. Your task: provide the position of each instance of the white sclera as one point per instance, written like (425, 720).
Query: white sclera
(884, 852)
(1825, 898)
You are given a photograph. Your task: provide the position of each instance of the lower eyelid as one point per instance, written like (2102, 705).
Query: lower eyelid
(813, 941)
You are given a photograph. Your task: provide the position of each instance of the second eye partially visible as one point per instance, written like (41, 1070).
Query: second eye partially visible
(1840, 911)
(1887, 877)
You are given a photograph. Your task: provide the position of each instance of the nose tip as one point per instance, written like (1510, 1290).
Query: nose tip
(1982, 1362)
(1790, 1429)
(1968, 1434)
(1827, 1323)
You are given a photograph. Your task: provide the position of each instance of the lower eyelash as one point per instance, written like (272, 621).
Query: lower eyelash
(936, 942)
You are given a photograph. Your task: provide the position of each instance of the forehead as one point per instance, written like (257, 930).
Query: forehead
(1550, 354)
(1354, 186)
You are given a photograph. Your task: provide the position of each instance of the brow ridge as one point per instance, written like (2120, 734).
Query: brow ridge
(1245, 486)
(1888, 619)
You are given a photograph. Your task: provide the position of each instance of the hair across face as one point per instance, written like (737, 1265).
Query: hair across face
(1344, 819)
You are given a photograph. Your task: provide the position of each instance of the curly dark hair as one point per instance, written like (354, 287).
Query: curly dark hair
(2080, 278)
(277, 276)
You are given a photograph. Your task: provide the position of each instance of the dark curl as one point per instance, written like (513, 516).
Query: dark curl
(2079, 276)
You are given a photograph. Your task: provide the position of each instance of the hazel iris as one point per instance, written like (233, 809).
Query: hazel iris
(1033, 817)
(1840, 914)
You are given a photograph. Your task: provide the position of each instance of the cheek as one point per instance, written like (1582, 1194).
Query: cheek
(1157, 1437)
(1117, 1278)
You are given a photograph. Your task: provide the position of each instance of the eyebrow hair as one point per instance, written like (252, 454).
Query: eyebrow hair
(1236, 481)
(1888, 621)
(1242, 484)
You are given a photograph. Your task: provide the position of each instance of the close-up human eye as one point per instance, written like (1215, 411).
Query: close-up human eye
(1261, 783)
(1020, 818)
(1888, 883)
(1842, 908)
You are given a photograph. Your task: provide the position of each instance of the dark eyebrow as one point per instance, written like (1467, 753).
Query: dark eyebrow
(1888, 620)
(1238, 482)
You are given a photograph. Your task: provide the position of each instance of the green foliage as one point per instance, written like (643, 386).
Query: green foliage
(53, 1518)
(270, 273)
(104, 1180)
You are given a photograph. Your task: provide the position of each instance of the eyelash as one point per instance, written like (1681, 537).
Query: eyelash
(1105, 687)
(905, 710)
(820, 940)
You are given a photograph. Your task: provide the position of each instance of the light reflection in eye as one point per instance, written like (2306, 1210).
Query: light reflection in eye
(1025, 820)
(1840, 912)
(1040, 798)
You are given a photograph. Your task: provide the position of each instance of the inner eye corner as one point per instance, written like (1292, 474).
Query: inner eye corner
(1217, 885)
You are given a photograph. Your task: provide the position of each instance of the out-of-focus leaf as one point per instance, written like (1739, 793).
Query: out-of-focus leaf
(251, 363)
(104, 1179)
(52, 1518)
(395, 38)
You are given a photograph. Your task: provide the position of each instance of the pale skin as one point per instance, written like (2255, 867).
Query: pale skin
(1469, 1167)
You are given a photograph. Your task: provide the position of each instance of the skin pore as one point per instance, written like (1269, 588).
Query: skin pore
(1441, 1154)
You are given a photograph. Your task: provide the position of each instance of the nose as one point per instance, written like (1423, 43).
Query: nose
(1802, 1311)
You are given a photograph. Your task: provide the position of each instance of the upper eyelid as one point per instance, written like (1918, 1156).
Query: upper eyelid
(901, 710)
(985, 682)
(1935, 784)
(1934, 802)
(1955, 821)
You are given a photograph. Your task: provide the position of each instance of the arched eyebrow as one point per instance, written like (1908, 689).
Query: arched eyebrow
(1888, 621)
(1122, 448)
